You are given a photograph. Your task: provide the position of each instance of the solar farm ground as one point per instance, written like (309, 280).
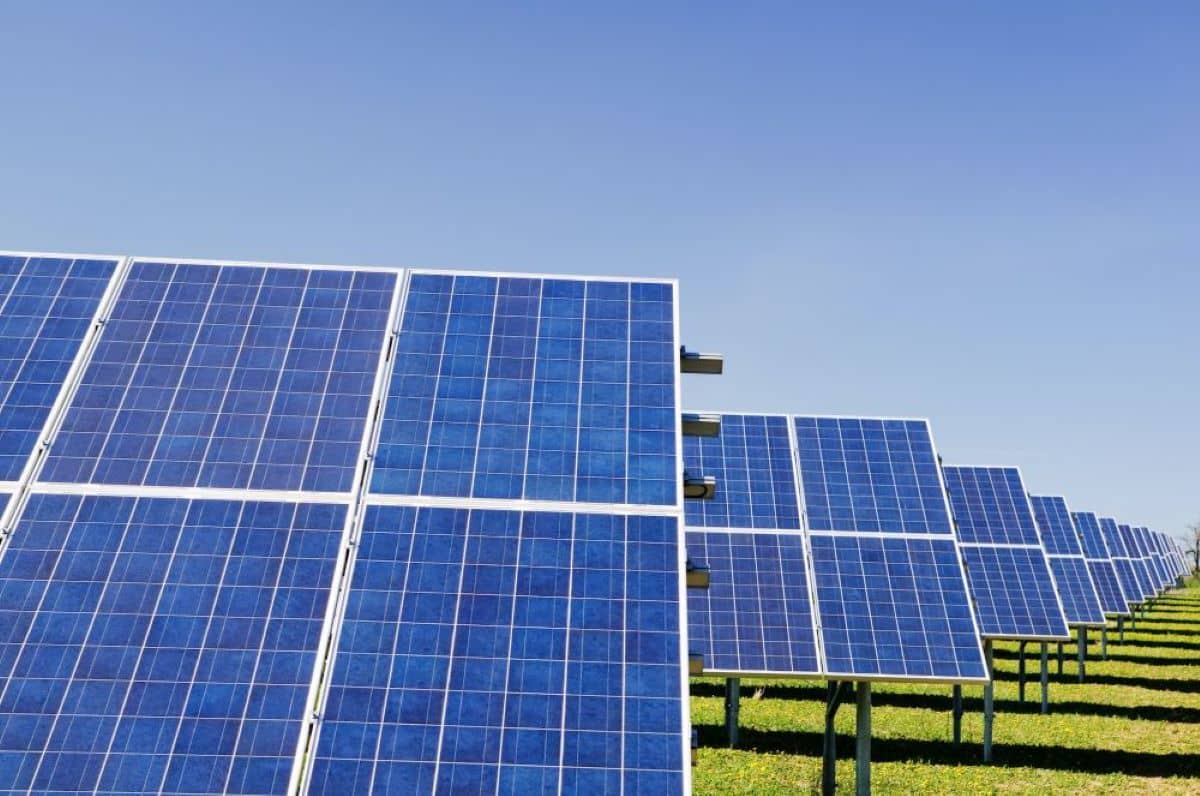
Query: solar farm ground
(1133, 727)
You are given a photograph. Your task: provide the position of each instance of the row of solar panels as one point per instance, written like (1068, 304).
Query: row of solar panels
(836, 548)
(270, 528)
(342, 529)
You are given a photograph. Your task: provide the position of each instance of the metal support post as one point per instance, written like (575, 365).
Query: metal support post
(958, 714)
(1060, 657)
(862, 752)
(733, 693)
(1082, 651)
(1120, 630)
(1021, 672)
(835, 694)
(1045, 677)
(987, 704)
(1104, 642)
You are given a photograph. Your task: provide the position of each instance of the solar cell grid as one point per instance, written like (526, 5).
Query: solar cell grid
(756, 614)
(1108, 587)
(870, 475)
(1014, 595)
(228, 376)
(1080, 602)
(500, 651)
(894, 607)
(1088, 527)
(47, 305)
(158, 644)
(549, 389)
(756, 483)
(990, 505)
(1141, 573)
(1054, 525)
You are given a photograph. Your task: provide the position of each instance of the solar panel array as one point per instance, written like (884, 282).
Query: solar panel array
(198, 593)
(1015, 593)
(1099, 563)
(1141, 570)
(1081, 602)
(756, 616)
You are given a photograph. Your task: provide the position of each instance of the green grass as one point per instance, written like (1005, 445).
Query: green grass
(1133, 727)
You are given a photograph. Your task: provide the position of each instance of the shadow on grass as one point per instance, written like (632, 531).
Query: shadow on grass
(884, 750)
(1148, 631)
(1151, 683)
(973, 701)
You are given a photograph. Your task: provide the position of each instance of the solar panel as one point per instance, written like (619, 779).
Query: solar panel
(229, 376)
(1121, 562)
(507, 651)
(756, 484)
(1080, 600)
(756, 616)
(890, 590)
(159, 644)
(1099, 563)
(1141, 571)
(47, 305)
(548, 389)
(869, 475)
(1153, 557)
(1015, 593)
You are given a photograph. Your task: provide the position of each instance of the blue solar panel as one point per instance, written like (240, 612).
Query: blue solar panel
(47, 305)
(756, 615)
(500, 651)
(1141, 572)
(551, 389)
(756, 484)
(1080, 602)
(159, 644)
(1007, 568)
(228, 376)
(1160, 575)
(1013, 593)
(990, 505)
(894, 606)
(864, 475)
(1054, 525)
(1088, 526)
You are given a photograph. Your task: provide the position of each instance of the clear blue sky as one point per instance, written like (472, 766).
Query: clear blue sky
(987, 214)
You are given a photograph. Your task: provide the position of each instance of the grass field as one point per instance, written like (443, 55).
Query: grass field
(1133, 727)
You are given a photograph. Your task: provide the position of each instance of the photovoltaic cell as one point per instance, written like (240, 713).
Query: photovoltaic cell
(1088, 526)
(47, 305)
(499, 651)
(869, 475)
(159, 645)
(1013, 595)
(990, 505)
(756, 483)
(756, 614)
(549, 389)
(1008, 570)
(1160, 575)
(228, 376)
(894, 606)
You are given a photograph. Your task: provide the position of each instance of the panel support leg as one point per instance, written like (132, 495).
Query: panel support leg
(1045, 677)
(1120, 630)
(1082, 651)
(862, 752)
(988, 711)
(1021, 672)
(1060, 657)
(836, 693)
(733, 693)
(958, 714)
(1104, 641)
